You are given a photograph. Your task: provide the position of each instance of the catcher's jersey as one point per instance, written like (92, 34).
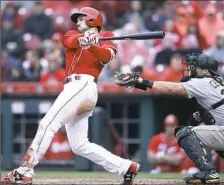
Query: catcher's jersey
(207, 91)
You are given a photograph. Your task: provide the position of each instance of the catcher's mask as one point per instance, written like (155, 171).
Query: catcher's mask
(192, 61)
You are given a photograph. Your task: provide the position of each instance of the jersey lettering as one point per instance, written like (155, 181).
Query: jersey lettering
(219, 87)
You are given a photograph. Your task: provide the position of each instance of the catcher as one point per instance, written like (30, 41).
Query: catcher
(207, 87)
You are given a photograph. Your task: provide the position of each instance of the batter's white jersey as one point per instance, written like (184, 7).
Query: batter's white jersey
(207, 92)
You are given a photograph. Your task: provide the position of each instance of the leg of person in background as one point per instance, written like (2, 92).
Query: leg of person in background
(77, 132)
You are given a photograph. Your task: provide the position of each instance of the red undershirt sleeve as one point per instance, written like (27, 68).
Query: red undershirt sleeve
(70, 39)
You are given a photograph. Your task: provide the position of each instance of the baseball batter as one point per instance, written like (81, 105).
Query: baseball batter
(207, 87)
(85, 58)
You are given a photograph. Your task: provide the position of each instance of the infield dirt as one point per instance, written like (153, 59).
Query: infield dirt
(76, 181)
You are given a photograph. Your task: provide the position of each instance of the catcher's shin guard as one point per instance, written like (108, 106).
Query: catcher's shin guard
(194, 148)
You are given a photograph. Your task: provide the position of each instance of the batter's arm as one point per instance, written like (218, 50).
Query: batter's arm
(103, 54)
(70, 39)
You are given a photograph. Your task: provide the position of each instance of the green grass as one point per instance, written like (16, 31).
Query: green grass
(103, 175)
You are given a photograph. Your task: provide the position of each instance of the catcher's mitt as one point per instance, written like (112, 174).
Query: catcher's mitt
(126, 80)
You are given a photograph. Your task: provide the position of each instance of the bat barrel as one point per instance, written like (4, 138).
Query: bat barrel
(138, 36)
(149, 35)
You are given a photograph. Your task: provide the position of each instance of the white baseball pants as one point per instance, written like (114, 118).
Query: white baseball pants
(72, 108)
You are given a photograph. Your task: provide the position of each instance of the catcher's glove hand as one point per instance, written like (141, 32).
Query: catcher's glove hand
(126, 80)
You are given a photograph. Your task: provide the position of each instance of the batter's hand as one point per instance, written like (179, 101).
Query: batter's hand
(84, 42)
(93, 38)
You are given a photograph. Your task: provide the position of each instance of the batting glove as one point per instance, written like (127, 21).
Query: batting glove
(84, 42)
(92, 37)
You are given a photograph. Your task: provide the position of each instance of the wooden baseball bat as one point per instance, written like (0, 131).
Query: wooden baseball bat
(138, 36)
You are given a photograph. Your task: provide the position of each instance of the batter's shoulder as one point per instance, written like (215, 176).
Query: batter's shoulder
(106, 34)
(71, 32)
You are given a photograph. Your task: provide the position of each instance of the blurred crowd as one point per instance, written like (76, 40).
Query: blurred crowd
(32, 32)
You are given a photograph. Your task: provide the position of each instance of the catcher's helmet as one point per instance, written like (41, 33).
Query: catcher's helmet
(202, 61)
(93, 17)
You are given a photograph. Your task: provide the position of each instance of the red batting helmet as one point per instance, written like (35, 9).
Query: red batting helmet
(171, 119)
(93, 17)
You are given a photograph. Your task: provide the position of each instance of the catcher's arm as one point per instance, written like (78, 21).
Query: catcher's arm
(161, 87)
(169, 88)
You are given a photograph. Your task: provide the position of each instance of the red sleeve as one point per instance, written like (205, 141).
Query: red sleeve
(70, 39)
(109, 43)
(106, 50)
(102, 54)
(153, 145)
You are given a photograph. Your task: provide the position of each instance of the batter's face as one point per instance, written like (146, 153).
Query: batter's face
(81, 24)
